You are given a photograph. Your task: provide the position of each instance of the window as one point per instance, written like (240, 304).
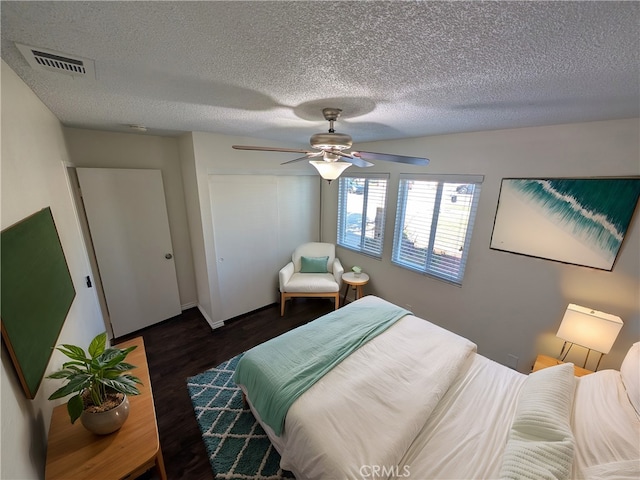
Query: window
(434, 223)
(361, 213)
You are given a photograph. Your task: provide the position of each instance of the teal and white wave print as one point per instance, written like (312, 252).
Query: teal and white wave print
(595, 211)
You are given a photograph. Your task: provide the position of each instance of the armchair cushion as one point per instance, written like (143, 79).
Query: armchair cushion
(312, 283)
(314, 264)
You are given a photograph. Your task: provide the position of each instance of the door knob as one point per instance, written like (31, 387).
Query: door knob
(168, 256)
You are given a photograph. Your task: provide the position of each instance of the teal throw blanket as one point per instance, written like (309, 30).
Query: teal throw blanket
(278, 371)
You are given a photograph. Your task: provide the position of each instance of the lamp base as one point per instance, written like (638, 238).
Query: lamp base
(563, 355)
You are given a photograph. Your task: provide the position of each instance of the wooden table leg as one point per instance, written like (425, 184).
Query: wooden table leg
(346, 290)
(160, 465)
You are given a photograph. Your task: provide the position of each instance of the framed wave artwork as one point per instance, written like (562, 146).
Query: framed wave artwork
(581, 221)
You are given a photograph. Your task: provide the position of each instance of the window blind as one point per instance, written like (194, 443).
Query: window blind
(434, 221)
(361, 213)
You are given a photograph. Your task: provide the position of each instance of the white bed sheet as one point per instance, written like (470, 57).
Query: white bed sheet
(473, 419)
(465, 436)
(606, 428)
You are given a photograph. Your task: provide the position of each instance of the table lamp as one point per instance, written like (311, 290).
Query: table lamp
(590, 329)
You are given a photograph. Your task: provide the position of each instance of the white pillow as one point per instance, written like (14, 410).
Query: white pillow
(630, 372)
(545, 403)
(540, 443)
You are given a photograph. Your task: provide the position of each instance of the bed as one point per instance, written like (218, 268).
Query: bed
(417, 401)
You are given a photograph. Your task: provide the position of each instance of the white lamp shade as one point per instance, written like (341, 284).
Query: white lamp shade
(329, 170)
(589, 328)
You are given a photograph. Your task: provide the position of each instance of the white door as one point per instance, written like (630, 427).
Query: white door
(129, 226)
(245, 220)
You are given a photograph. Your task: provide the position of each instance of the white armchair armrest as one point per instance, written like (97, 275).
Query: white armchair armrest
(285, 274)
(338, 270)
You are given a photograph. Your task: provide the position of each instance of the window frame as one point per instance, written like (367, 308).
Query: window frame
(341, 215)
(427, 267)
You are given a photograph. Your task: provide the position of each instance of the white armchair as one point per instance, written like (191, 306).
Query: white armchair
(318, 274)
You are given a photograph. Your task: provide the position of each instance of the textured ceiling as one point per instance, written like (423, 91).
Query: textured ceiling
(397, 69)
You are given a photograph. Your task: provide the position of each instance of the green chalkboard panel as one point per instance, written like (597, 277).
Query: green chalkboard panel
(37, 293)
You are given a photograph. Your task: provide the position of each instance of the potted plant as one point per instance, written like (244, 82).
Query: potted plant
(100, 382)
(356, 270)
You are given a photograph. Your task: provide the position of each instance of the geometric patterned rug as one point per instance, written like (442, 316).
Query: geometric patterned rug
(238, 447)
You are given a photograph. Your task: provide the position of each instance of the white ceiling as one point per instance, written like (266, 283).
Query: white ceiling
(397, 69)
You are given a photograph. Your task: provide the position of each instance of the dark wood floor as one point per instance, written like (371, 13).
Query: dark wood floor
(184, 346)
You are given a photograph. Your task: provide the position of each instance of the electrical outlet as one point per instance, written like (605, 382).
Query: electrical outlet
(512, 361)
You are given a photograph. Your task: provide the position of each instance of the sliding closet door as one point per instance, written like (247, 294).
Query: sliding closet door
(257, 222)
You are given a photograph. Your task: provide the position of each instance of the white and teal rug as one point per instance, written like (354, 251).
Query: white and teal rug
(238, 447)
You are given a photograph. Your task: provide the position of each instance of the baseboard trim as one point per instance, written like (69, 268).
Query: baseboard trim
(211, 323)
(187, 306)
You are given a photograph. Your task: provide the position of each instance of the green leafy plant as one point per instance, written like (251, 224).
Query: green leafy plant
(93, 378)
(356, 269)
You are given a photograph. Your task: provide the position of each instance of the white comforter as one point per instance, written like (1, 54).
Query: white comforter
(471, 422)
(367, 411)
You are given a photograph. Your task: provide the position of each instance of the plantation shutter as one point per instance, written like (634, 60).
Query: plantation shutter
(361, 213)
(434, 221)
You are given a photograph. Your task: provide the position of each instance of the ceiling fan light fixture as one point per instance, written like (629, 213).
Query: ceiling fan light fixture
(330, 157)
(329, 170)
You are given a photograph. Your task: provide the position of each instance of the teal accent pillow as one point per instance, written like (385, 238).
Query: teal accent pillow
(314, 264)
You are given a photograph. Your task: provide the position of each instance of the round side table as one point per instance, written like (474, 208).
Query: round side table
(357, 282)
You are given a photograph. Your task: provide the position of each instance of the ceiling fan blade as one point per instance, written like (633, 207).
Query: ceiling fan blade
(391, 158)
(310, 155)
(358, 162)
(271, 149)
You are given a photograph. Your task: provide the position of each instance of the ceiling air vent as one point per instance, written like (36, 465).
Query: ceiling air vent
(52, 61)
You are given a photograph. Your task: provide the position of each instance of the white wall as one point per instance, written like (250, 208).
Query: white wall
(194, 219)
(511, 304)
(34, 177)
(96, 149)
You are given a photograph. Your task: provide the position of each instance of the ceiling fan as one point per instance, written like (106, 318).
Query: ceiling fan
(332, 148)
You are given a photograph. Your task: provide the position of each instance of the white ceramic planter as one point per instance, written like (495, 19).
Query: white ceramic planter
(103, 423)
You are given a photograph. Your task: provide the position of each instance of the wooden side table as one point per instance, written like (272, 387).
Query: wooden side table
(75, 453)
(357, 282)
(544, 361)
